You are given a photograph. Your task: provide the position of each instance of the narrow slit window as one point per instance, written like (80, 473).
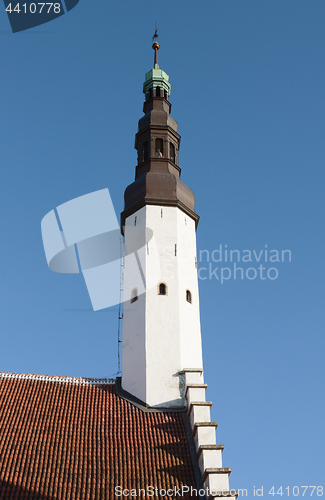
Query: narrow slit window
(159, 148)
(134, 295)
(188, 296)
(172, 152)
(145, 151)
(157, 91)
(162, 289)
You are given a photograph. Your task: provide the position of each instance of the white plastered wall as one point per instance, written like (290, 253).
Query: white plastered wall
(161, 334)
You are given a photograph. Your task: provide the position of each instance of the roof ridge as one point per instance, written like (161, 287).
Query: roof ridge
(54, 378)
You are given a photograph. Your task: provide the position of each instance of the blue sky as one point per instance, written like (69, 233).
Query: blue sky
(247, 82)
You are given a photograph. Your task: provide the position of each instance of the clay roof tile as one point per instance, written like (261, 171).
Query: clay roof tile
(64, 438)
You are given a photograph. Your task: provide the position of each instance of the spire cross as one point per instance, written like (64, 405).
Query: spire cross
(155, 47)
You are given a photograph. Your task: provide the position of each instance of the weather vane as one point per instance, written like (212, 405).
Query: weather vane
(155, 46)
(154, 38)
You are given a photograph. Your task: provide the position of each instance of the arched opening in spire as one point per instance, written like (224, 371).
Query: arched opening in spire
(172, 152)
(162, 289)
(159, 148)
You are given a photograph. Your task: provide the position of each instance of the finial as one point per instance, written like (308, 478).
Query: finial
(155, 47)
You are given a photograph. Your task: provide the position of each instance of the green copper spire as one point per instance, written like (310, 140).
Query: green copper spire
(156, 77)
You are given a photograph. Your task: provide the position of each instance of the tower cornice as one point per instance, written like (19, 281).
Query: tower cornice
(158, 165)
(162, 202)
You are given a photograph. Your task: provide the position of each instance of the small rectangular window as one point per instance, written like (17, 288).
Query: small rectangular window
(134, 295)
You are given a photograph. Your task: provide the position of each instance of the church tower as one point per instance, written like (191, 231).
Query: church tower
(161, 349)
(161, 319)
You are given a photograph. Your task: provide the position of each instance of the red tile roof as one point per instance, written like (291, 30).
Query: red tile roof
(68, 438)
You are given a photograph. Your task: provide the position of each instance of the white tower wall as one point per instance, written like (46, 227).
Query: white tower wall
(161, 333)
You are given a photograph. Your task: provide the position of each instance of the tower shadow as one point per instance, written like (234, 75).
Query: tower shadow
(16, 492)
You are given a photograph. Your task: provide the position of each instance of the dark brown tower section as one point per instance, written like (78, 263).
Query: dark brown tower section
(157, 176)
